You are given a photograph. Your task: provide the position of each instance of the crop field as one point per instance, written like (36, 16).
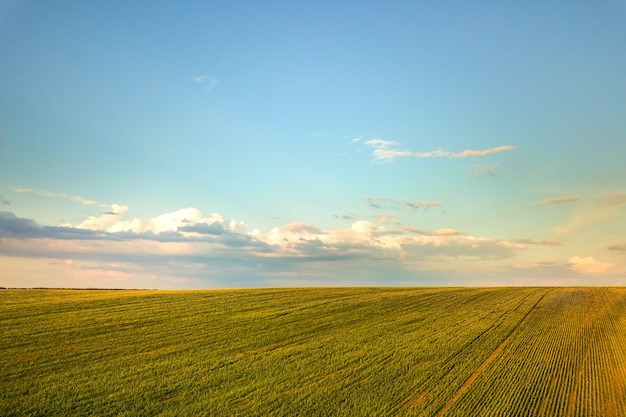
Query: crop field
(319, 351)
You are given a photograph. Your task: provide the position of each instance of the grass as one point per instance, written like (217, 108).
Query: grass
(324, 352)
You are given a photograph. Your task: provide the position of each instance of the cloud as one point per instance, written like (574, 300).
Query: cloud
(364, 240)
(83, 201)
(386, 151)
(388, 155)
(386, 218)
(44, 193)
(382, 151)
(621, 247)
(208, 81)
(12, 226)
(464, 154)
(347, 215)
(104, 221)
(374, 202)
(214, 228)
(420, 204)
(438, 232)
(302, 229)
(480, 170)
(539, 242)
(4, 201)
(617, 199)
(380, 202)
(188, 220)
(589, 265)
(594, 214)
(192, 244)
(558, 200)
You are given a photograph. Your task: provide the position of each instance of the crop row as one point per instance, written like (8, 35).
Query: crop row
(343, 351)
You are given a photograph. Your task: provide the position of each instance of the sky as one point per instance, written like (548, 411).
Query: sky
(222, 144)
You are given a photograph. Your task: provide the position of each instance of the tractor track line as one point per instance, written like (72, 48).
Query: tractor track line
(487, 361)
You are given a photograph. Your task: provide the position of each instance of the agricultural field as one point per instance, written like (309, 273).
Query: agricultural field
(322, 352)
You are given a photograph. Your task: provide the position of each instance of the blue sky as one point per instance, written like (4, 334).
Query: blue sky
(253, 144)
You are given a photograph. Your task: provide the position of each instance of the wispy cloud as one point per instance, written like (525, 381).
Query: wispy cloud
(464, 154)
(44, 193)
(594, 213)
(558, 200)
(208, 81)
(386, 218)
(387, 151)
(346, 215)
(438, 232)
(380, 202)
(616, 199)
(383, 151)
(480, 170)
(413, 205)
(538, 242)
(621, 247)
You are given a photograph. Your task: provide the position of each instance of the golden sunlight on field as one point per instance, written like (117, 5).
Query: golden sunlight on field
(335, 352)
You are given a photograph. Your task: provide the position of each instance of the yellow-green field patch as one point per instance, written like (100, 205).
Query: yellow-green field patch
(318, 351)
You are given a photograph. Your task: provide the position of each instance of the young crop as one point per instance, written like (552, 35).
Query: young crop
(319, 351)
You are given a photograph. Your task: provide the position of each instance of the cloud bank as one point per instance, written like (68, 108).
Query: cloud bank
(188, 243)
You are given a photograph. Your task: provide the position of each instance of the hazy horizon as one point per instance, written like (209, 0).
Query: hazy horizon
(278, 144)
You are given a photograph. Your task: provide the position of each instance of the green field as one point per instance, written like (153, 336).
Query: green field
(322, 352)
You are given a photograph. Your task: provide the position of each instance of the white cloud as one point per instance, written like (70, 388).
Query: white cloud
(83, 201)
(201, 244)
(382, 151)
(365, 239)
(105, 221)
(380, 143)
(385, 151)
(181, 220)
(464, 154)
(208, 81)
(589, 265)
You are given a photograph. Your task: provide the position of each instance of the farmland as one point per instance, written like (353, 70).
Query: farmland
(318, 351)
